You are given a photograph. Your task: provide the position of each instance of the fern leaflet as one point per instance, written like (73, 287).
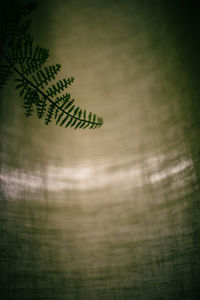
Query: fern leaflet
(33, 80)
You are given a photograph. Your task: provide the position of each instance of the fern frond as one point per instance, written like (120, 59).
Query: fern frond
(44, 76)
(29, 100)
(22, 85)
(16, 34)
(83, 122)
(63, 99)
(65, 103)
(5, 73)
(41, 107)
(59, 86)
(50, 113)
(65, 112)
(93, 121)
(29, 60)
(20, 56)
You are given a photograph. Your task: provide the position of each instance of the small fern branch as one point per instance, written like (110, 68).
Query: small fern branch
(59, 86)
(41, 108)
(50, 113)
(29, 60)
(29, 100)
(44, 76)
(69, 114)
(33, 80)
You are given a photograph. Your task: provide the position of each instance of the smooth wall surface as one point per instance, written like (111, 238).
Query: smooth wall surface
(111, 213)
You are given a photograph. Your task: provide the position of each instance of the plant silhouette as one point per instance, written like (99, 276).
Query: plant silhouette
(20, 57)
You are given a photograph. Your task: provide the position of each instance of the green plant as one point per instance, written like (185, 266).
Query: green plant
(33, 79)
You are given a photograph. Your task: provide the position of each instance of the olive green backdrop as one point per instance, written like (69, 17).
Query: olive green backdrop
(111, 213)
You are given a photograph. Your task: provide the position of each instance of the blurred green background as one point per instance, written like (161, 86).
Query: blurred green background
(111, 213)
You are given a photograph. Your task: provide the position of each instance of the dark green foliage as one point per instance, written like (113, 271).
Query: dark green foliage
(13, 26)
(29, 60)
(33, 79)
(29, 100)
(43, 76)
(59, 86)
(50, 113)
(5, 73)
(41, 107)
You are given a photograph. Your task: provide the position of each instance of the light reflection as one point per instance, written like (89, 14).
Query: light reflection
(15, 182)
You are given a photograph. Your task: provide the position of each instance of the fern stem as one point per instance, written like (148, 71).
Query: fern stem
(42, 93)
